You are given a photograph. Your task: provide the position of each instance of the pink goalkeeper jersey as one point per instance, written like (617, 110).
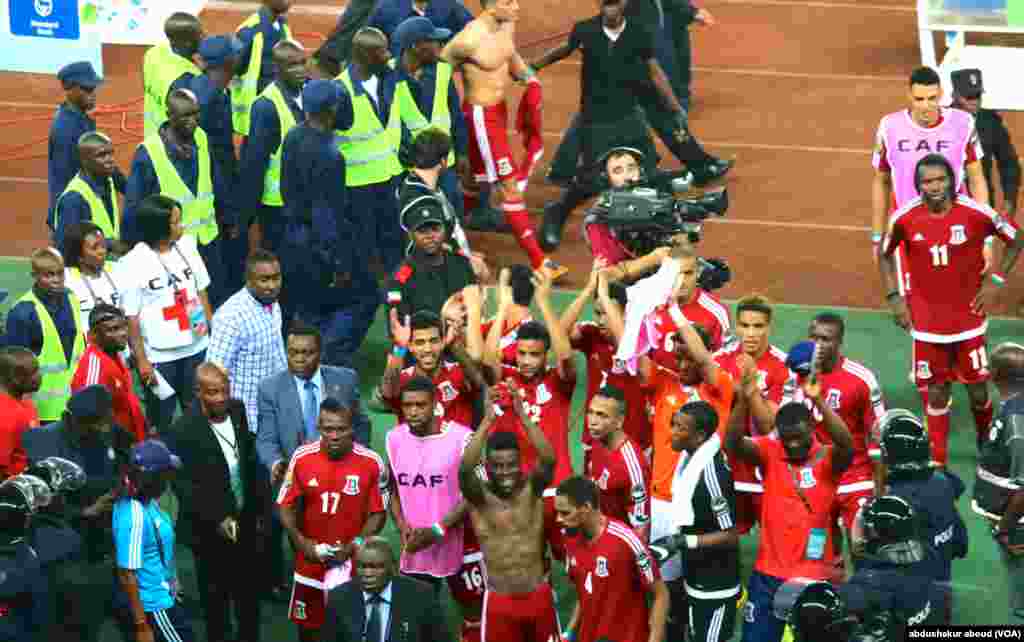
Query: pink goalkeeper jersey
(901, 142)
(426, 473)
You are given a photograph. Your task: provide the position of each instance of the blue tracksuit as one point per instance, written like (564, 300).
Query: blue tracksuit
(69, 123)
(445, 14)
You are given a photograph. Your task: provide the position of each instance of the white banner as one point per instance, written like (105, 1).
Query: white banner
(138, 22)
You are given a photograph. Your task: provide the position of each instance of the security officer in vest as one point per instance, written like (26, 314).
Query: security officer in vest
(433, 100)
(26, 607)
(259, 33)
(326, 282)
(178, 163)
(273, 115)
(906, 458)
(167, 63)
(92, 195)
(999, 486)
(47, 321)
(370, 147)
(87, 436)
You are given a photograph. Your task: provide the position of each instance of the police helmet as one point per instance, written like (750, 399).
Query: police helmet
(903, 440)
(814, 611)
(887, 529)
(17, 503)
(62, 475)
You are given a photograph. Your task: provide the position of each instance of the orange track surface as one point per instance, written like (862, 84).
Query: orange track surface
(792, 89)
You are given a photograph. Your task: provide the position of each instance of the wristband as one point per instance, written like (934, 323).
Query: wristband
(998, 279)
(876, 238)
(892, 295)
(357, 542)
(691, 541)
(399, 351)
(990, 241)
(437, 529)
(569, 636)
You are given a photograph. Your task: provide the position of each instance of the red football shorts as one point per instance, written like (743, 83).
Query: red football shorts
(849, 498)
(603, 245)
(965, 361)
(520, 617)
(467, 586)
(308, 605)
(490, 156)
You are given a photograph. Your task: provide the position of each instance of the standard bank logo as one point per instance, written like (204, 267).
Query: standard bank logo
(44, 8)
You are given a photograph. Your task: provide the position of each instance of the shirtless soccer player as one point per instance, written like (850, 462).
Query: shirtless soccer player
(485, 52)
(508, 515)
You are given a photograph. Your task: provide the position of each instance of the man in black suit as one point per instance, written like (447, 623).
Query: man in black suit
(379, 606)
(223, 493)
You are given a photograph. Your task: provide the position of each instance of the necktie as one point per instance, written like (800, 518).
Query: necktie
(374, 628)
(309, 410)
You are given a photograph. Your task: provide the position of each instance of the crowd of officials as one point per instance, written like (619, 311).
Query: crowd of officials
(184, 368)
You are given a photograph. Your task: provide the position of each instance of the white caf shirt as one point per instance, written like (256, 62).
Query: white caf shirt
(149, 283)
(92, 290)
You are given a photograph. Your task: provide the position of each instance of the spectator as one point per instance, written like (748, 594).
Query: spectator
(381, 604)
(449, 15)
(330, 478)
(46, 320)
(166, 63)
(424, 452)
(177, 163)
(92, 195)
(608, 564)
(87, 436)
(19, 379)
(617, 465)
(800, 477)
(259, 34)
(144, 544)
(246, 339)
(224, 498)
(24, 588)
(456, 382)
(165, 282)
(274, 113)
(103, 364)
(87, 273)
(519, 288)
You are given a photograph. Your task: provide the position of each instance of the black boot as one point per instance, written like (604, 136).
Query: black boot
(556, 213)
(711, 171)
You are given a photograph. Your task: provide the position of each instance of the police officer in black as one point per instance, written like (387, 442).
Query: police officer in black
(933, 493)
(26, 609)
(87, 436)
(999, 486)
(968, 88)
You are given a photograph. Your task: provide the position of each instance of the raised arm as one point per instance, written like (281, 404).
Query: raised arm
(694, 344)
(614, 314)
(400, 333)
(761, 409)
(472, 356)
(559, 339)
(544, 473)
(736, 442)
(470, 484)
(842, 440)
(492, 349)
(572, 313)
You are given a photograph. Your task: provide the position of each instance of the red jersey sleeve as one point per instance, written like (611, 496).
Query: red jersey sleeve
(379, 487)
(291, 489)
(895, 236)
(646, 569)
(588, 334)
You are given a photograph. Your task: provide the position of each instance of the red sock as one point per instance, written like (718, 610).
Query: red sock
(516, 216)
(938, 433)
(982, 419)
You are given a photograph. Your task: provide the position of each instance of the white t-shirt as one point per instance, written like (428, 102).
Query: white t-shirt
(370, 85)
(172, 324)
(92, 290)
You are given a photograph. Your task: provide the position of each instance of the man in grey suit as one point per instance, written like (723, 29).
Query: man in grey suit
(288, 404)
(379, 606)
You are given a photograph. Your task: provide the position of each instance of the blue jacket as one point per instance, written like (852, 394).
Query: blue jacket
(214, 116)
(907, 592)
(24, 328)
(25, 596)
(423, 90)
(69, 123)
(445, 14)
(272, 34)
(934, 500)
(73, 208)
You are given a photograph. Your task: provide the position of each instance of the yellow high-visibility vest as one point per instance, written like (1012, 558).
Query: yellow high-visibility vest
(272, 179)
(245, 88)
(161, 67)
(439, 115)
(370, 147)
(56, 369)
(197, 212)
(109, 222)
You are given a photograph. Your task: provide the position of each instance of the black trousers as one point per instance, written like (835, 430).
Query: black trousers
(223, 571)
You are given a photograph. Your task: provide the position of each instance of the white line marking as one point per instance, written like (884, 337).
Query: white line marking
(767, 146)
(819, 5)
(790, 224)
(23, 179)
(777, 73)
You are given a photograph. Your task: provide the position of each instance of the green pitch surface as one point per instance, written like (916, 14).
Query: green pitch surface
(871, 338)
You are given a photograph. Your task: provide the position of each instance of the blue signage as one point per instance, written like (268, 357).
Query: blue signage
(45, 18)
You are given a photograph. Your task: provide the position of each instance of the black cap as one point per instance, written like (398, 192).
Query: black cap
(967, 83)
(90, 402)
(427, 210)
(81, 74)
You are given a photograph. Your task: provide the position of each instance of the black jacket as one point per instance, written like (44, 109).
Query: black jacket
(416, 615)
(203, 486)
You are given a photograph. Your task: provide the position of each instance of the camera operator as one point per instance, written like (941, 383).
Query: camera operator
(24, 588)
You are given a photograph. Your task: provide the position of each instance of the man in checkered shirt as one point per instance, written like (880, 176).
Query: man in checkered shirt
(246, 335)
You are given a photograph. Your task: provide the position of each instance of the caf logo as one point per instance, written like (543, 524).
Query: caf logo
(44, 8)
(351, 485)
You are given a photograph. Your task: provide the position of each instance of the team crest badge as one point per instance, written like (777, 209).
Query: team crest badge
(807, 479)
(924, 371)
(351, 485)
(602, 481)
(300, 610)
(448, 391)
(762, 380)
(543, 396)
(833, 398)
(957, 235)
(602, 567)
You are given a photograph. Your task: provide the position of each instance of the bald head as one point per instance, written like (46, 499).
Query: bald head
(211, 372)
(1007, 364)
(290, 63)
(184, 31)
(96, 154)
(370, 49)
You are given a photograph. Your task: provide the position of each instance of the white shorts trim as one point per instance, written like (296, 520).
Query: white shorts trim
(483, 145)
(748, 487)
(928, 337)
(712, 595)
(308, 581)
(855, 487)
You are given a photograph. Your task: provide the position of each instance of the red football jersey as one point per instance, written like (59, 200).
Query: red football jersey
(613, 574)
(776, 382)
(852, 391)
(549, 401)
(509, 339)
(624, 476)
(703, 309)
(338, 496)
(944, 253)
(98, 367)
(453, 393)
(600, 352)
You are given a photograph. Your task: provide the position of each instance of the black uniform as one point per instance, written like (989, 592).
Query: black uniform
(26, 609)
(996, 144)
(907, 592)
(412, 191)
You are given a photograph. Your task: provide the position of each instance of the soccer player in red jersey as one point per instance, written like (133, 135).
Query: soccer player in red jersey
(456, 382)
(612, 570)
(852, 391)
(617, 465)
(774, 380)
(598, 340)
(102, 363)
(699, 307)
(943, 237)
(334, 495)
(547, 391)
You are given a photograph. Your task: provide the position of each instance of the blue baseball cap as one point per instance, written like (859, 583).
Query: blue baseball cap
(414, 30)
(216, 50)
(153, 456)
(81, 74)
(800, 357)
(91, 402)
(320, 95)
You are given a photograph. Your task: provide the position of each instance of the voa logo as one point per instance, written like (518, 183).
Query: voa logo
(44, 8)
